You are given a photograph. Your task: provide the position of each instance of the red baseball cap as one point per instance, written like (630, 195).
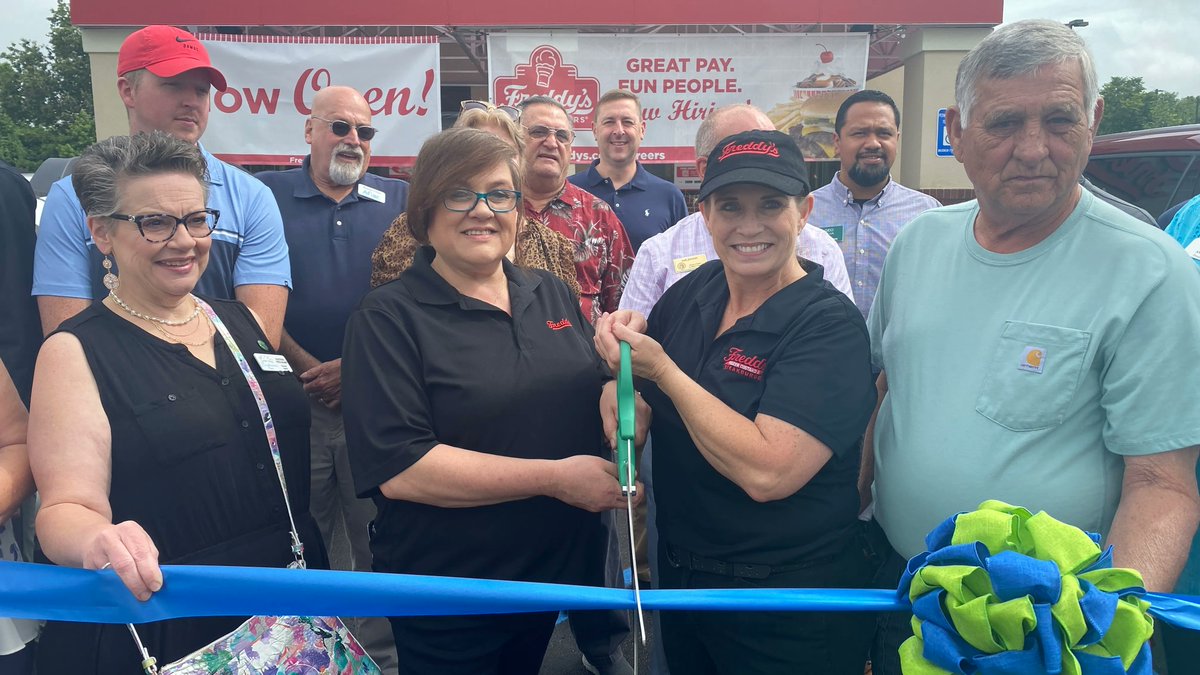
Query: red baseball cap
(166, 51)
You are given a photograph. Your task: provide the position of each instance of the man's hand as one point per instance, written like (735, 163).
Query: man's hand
(324, 381)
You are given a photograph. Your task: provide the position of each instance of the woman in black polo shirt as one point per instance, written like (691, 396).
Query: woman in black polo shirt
(758, 373)
(471, 397)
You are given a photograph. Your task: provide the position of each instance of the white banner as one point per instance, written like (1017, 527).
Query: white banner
(259, 119)
(798, 79)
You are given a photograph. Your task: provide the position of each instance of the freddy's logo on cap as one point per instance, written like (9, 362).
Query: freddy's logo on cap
(767, 148)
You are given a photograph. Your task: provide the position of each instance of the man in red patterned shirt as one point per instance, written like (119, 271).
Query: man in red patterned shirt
(603, 253)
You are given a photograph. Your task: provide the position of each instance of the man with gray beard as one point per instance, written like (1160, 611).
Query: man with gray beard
(334, 214)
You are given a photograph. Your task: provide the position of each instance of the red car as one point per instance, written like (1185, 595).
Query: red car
(1154, 168)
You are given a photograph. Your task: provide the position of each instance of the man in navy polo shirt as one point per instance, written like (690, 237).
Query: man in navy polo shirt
(334, 214)
(645, 203)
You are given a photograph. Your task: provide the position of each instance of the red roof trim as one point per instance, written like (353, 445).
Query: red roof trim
(533, 13)
(303, 39)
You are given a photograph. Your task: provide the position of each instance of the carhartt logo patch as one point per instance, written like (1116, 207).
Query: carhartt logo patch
(558, 325)
(738, 361)
(1033, 359)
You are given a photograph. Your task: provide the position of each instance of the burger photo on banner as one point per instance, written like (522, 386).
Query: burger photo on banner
(809, 116)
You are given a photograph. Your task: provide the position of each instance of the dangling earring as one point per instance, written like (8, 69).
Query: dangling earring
(111, 281)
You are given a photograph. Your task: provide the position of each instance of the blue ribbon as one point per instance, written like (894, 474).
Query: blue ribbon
(29, 591)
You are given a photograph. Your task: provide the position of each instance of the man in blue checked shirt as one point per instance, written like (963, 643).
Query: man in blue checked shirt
(863, 208)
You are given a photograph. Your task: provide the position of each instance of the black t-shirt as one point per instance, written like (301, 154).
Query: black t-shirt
(422, 365)
(803, 357)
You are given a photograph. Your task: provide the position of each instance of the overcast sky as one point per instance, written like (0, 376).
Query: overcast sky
(1156, 40)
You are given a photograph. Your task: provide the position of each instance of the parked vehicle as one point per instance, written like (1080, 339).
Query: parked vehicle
(1153, 168)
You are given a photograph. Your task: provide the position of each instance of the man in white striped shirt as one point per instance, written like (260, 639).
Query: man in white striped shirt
(667, 257)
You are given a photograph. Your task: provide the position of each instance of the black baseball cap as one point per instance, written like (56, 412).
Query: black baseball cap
(768, 158)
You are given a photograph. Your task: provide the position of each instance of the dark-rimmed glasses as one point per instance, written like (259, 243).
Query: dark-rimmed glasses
(514, 113)
(342, 127)
(539, 132)
(499, 201)
(159, 227)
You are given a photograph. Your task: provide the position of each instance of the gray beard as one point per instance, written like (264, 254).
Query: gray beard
(344, 174)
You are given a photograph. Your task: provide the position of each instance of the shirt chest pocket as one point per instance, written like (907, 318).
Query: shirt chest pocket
(180, 425)
(1033, 375)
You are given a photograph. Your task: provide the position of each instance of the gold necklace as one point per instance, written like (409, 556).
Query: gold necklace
(155, 319)
(190, 331)
(179, 340)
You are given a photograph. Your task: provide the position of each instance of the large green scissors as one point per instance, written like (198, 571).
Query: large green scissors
(627, 467)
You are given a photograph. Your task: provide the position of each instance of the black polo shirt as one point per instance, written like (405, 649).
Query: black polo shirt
(330, 245)
(803, 357)
(422, 365)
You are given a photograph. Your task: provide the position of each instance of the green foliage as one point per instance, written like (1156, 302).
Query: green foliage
(1129, 107)
(46, 107)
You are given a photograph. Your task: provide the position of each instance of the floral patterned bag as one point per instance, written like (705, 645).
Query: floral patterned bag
(271, 645)
(285, 644)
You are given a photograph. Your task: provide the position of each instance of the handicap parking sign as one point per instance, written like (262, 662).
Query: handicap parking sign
(943, 137)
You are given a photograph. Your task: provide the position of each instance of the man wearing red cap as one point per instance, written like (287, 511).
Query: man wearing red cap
(164, 79)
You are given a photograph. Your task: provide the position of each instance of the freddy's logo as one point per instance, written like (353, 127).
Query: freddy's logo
(737, 361)
(546, 75)
(749, 148)
(558, 325)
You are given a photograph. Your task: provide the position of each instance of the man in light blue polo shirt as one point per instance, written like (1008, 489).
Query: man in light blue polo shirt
(862, 208)
(164, 79)
(645, 203)
(1038, 346)
(334, 213)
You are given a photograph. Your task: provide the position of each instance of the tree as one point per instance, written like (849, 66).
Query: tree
(47, 109)
(1129, 107)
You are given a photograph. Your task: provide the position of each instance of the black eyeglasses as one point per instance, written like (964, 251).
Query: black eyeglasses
(499, 201)
(159, 227)
(341, 128)
(514, 113)
(539, 132)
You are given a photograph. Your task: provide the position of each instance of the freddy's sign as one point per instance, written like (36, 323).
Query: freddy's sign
(679, 79)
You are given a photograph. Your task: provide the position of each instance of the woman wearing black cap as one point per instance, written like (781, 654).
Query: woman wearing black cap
(758, 372)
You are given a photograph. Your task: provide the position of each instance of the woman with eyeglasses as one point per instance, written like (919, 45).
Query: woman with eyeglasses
(536, 245)
(146, 439)
(472, 414)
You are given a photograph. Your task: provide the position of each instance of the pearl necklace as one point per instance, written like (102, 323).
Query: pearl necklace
(166, 322)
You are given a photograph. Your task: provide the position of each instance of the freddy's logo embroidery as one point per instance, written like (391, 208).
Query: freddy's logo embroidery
(558, 325)
(749, 148)
(737, 361)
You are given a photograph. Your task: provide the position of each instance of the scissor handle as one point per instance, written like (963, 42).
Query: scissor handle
(626, 413)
